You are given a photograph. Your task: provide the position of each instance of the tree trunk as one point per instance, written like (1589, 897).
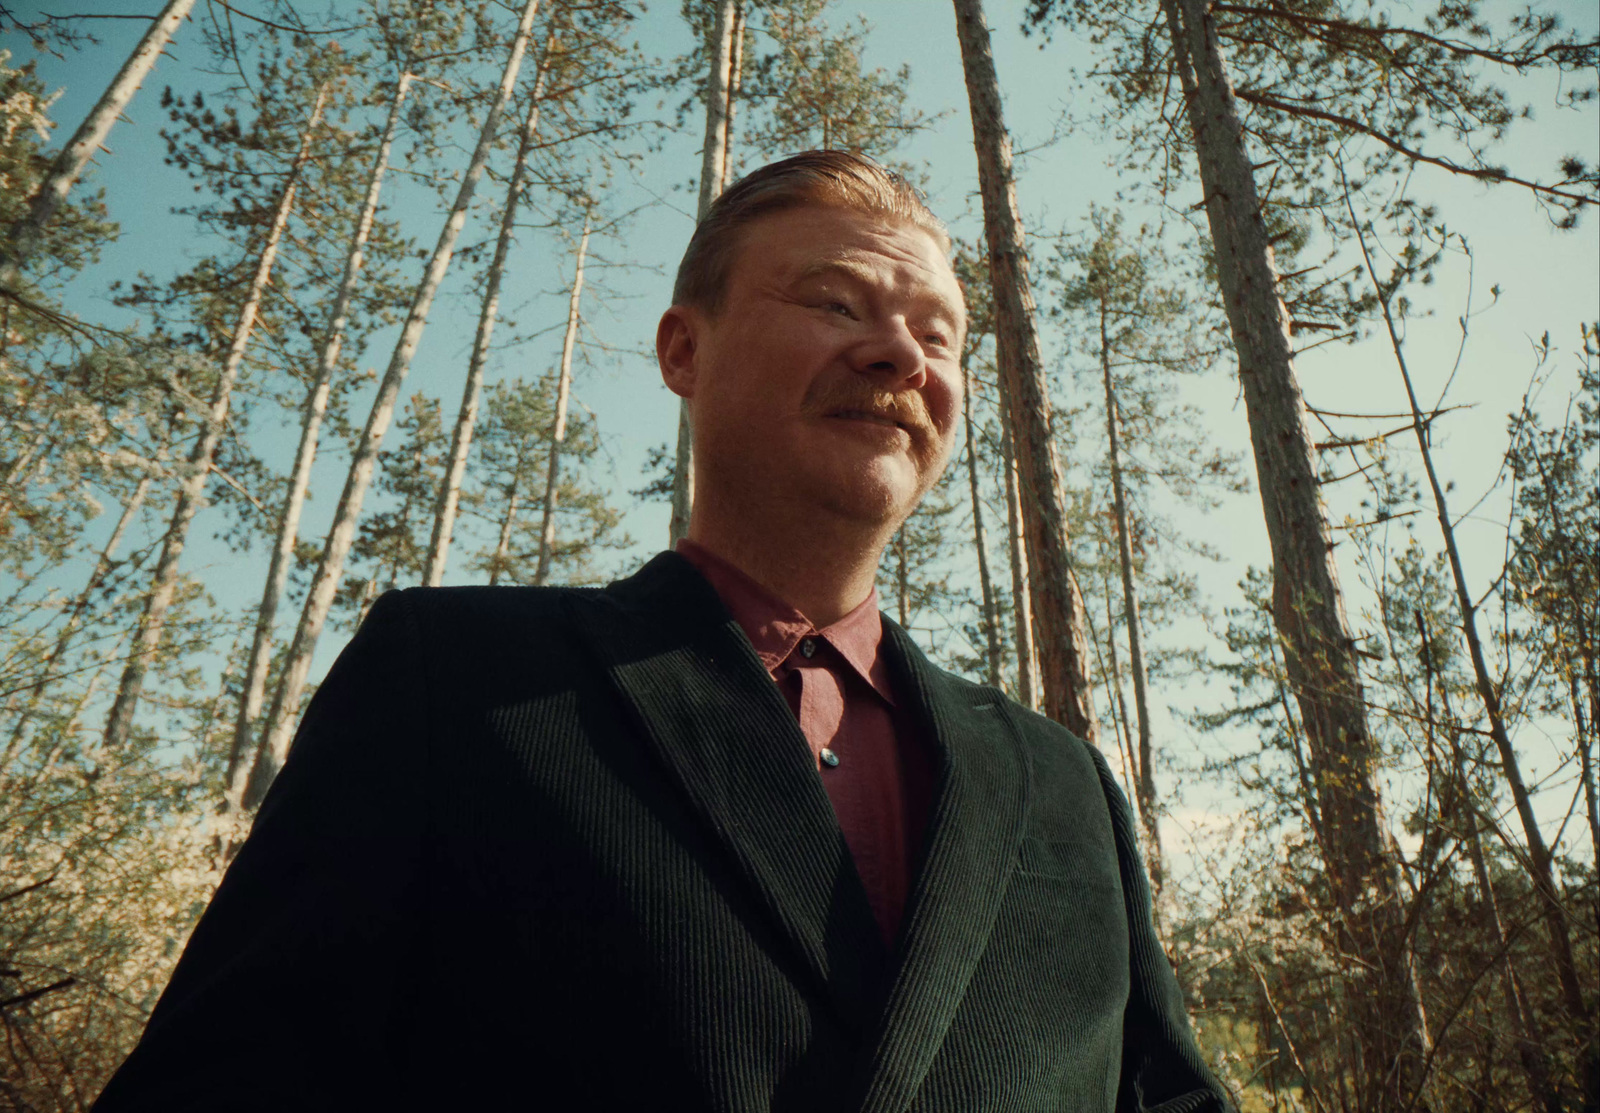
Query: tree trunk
(1057, 603)
(713, 168)
(503, 546)
(558, 433)
(1308, 607)
(991, 629)
(316, 405)
(191, 487)
(91, 134)
(279, 728)
(1145, 787)
(735, 78)
(369, 595)
(1538, 854)
(1021, 609)
(901, 577)
(444, 515)
(214, 714)
(1118, 703)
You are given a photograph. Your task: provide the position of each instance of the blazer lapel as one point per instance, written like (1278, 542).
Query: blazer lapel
(973, 837)
(723, 731)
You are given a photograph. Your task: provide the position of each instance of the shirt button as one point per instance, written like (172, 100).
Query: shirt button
(829, 758)
(808, 648)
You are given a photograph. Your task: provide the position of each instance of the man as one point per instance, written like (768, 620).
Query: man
(717, 837)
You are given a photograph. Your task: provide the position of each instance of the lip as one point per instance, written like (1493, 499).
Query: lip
(868, 417)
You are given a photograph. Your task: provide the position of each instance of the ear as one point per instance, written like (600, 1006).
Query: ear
(677, 346)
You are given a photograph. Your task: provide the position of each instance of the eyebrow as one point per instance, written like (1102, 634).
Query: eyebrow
(849, 268)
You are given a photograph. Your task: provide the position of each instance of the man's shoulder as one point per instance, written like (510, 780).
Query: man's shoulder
(1037, 733)
(1052, 749)
(471, 602)
(468, 621)
(1036, 728)
(488, 646)
(1048, 745)
(1039, 726)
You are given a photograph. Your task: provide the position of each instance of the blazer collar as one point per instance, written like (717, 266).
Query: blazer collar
(723, 731)
(775, 627)
(974, 833)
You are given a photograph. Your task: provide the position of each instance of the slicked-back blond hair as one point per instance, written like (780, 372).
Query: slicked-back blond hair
(838, 179)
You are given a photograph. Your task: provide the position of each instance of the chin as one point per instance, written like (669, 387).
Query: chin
(868, 503)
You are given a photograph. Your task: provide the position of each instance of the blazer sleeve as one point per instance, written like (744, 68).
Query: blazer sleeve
(290, 992)
(1163, 1070)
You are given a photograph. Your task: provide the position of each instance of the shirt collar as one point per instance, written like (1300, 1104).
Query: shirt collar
(775, 628)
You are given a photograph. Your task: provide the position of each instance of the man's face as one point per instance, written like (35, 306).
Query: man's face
(829, 378)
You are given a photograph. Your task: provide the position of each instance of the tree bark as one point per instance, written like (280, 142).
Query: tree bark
(91, 134)
(1118, 703)
(1021, 608)
(1308, 607)
(713, 168)
(1057, 603)
(444, 514)
(901, 579)
(503, 546)
(1145, 786)
(214, 713)
(279, 728)
(991, 630)
(316, 406)
(735, 78)
(191, 488)
(558, 432)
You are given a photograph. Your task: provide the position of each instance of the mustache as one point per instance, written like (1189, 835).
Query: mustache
(906, 408)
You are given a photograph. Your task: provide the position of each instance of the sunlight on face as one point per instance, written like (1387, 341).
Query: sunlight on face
(830, 377)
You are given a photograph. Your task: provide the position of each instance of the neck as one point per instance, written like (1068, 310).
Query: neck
(822, 570)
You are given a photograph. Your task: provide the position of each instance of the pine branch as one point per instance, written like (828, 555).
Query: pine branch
(1483, 173)
(1518, 59)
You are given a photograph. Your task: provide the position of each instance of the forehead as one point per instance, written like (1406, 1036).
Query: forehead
(815, 241)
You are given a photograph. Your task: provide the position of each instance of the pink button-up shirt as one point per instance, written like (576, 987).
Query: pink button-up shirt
(876, 770)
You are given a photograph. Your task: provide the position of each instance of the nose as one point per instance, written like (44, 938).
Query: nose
(893, 355)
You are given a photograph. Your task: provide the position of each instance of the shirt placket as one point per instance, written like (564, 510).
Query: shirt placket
(821, 701)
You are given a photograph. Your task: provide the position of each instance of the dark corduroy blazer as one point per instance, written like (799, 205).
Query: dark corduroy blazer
(556, 849)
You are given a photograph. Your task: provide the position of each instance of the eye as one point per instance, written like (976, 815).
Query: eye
(841, 308)
(937, 339)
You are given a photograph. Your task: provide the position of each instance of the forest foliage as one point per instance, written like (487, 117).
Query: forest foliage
(1389, 900)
